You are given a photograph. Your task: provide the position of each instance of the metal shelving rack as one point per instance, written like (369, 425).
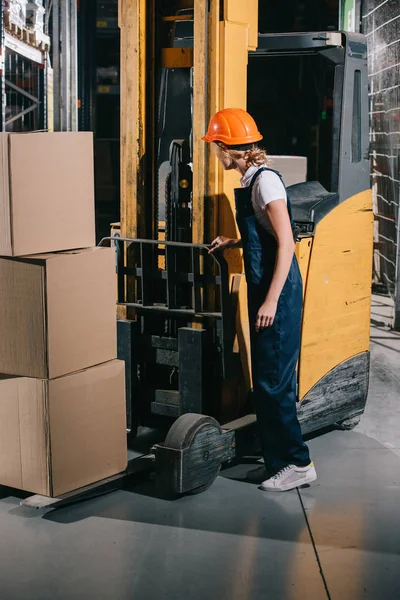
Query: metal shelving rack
(381, 26)
(23, 77)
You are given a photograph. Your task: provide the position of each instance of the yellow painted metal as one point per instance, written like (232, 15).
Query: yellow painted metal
(199, 118)
(233, 63)
(240, 25)
(175, 58)
(132, 21)
(213, 97)
(336, 315)
(303, 255)
(237, 11)
(233, 59)
(133, 61)
(233, 93)
(175, 18)
(229, 41)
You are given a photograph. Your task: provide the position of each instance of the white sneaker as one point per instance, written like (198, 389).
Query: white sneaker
(289, 478)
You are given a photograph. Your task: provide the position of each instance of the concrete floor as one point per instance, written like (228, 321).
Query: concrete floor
(338, 539)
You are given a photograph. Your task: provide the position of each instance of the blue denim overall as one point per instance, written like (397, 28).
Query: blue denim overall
(274, 350)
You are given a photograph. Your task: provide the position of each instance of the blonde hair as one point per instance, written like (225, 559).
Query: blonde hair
(254, 156)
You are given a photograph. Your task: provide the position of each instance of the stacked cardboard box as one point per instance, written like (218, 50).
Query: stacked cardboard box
(62, 391)
(292, 168)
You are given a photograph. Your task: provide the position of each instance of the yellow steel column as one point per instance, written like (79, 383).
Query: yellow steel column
(132, 21)
(199, 118)
(238, 35)
(232, 32)
(213, 93)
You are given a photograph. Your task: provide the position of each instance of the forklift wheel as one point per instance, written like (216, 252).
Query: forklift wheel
(198, 434)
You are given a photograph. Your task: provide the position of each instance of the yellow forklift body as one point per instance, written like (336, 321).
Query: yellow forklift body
(336, 266)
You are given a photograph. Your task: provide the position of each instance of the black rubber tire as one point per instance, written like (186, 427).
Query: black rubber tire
(183, 432)
(184, 429)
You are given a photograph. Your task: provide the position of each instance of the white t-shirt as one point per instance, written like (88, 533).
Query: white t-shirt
(268, 187)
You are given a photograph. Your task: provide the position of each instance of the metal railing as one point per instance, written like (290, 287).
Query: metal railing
(381, 25)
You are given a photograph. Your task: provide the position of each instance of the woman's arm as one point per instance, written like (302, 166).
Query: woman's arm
(278, 216)
(222, 242)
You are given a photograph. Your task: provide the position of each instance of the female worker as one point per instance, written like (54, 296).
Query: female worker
(263, 215)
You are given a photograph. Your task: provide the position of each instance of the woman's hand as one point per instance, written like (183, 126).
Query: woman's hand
(266, 314)
(222, 242)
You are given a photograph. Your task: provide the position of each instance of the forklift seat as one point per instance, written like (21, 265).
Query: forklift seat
(311, 202)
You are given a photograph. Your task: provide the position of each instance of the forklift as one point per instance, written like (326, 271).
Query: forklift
(182, 315)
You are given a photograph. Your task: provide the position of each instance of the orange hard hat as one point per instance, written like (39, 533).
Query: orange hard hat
(233, 127)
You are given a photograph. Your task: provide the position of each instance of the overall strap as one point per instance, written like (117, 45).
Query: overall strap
(260, 170)
(256, 174)
(254, 178)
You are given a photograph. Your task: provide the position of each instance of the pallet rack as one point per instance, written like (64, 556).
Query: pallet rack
(23, 76)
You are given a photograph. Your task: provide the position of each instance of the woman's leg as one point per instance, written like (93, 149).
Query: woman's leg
(275, 351)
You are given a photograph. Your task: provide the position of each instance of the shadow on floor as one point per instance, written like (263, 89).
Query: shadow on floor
(229, 507)
(358, 476)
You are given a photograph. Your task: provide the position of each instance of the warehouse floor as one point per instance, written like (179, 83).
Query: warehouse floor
(338, 539)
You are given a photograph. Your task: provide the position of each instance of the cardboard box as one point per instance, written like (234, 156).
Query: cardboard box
(46, 192)
(60, 435)
(292, 168)
(57, 312)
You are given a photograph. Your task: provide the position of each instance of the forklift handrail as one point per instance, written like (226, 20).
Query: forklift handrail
(217, 255)
(154, 242)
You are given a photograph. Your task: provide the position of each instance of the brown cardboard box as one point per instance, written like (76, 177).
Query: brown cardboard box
(57, 312)
(292, 168)
(46, 192)
(62, 434)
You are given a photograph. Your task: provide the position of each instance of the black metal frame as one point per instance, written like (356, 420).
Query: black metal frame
(147, 272)
(349, 176)
(177, 210)
(168, 286)
(293, 42)
(86, 33)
